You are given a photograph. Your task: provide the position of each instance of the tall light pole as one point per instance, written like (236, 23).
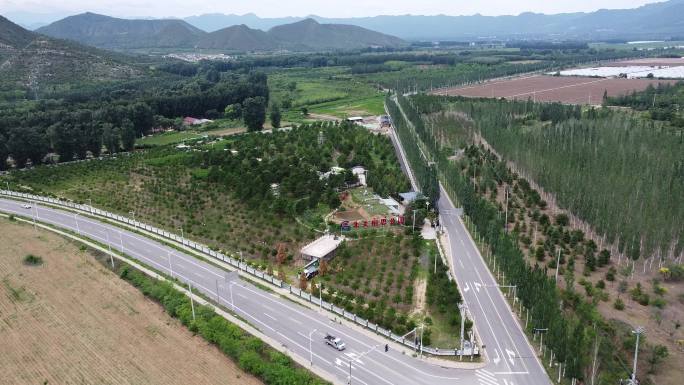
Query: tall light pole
(356, 359)
(461, 308)
(109, 244)
(230, 288)
(90, 204)
(168, 254)
(541, 340)
(192, 302)
(639, 331)
(182, 235)
(311, 351)
(78, 229)
(558, 264)
(133, 213)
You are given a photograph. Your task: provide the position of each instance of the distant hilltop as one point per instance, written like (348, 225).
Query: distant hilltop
(124, 34)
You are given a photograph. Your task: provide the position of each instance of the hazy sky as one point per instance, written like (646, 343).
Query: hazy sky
(328, 8)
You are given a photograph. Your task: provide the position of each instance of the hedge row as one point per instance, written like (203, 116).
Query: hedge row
(250, 353)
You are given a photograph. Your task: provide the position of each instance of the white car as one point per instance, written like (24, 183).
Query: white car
(26, 206)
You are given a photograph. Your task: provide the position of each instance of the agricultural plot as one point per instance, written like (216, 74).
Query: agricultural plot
(631, 72)
(70, 321)
(564, 89)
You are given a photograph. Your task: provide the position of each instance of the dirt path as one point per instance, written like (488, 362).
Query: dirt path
(71, 321)
(419, 288)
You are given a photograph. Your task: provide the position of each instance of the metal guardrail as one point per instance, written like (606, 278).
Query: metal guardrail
(243, 267)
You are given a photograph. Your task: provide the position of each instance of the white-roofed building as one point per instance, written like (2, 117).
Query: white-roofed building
(322, 248)
(360, 173)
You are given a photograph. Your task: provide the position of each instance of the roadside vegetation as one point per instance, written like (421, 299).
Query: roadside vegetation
(251, 354)
(526, 249)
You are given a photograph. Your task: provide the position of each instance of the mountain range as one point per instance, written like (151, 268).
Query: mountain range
(29, 60)
(124, 34)
(653, 21)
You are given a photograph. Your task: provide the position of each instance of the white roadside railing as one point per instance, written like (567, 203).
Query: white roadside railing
(237, 264)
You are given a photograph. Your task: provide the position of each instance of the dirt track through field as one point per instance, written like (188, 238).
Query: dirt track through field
(71, 321)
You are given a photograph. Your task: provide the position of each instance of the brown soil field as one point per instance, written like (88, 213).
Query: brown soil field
(72, 321)
(564, 89)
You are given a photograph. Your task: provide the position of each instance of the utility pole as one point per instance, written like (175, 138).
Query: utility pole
(461, 308)
(558, 264)
(168, 254)
(78, 230)
(639, 331)
(192, 302)
(111, 255)
(506, 222)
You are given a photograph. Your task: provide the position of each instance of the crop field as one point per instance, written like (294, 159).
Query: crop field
(570, 89)
(71, 321)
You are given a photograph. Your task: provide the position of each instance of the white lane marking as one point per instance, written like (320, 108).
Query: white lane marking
(461, 263)
(328, 325)
(511, 373)
(241, 296)
(511, 356)
(270, 316)
(294, 320)
(107, 228)
(268, 308)
(497, 359)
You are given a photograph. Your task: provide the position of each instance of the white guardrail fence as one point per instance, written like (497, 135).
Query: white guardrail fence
(246, 268)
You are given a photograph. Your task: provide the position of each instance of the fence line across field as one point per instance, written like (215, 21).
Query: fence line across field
(248, 269)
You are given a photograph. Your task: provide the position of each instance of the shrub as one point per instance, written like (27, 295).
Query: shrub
(619, 305)
(33, 260)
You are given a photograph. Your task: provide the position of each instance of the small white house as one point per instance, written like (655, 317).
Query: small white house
(360, 173)
(322, 248)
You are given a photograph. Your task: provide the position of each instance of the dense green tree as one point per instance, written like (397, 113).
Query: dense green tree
(127, 135)
(27, 143)
(254, 113)
(4, 152)
(111, 138)
(274, 115)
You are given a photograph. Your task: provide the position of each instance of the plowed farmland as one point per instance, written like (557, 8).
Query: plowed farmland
(71, 321)
(564, 89)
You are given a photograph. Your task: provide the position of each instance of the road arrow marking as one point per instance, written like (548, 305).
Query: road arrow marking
(477, 286)
(511, 356)
(497, 359)
(466, 287)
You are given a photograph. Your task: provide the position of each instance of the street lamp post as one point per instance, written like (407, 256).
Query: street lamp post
(168, 254)
(90, 204)
(109, 244)
(133, 214)
(311, 351)
(558, 264)
(182, 235)
(356, 359)
(230, 288)
(639, 331)
(541, 335)
(78, 229)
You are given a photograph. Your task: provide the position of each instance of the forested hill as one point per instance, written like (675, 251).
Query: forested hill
(122, 34)
(30, 62)
(113, 33)
(309, 34)
(660, 20)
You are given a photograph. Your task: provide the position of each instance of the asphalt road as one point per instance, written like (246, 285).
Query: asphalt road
(281, 319)
(511, 358)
